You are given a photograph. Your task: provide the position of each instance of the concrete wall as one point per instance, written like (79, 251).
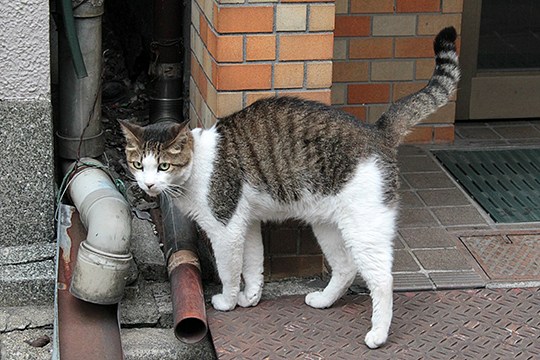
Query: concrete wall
(26, 142)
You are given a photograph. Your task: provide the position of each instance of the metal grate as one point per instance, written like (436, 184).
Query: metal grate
(457, 324)
(506, 183)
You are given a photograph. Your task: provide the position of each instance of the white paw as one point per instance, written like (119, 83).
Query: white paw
(317, 300)
(249, 297)
(223, 303)
(375, 338)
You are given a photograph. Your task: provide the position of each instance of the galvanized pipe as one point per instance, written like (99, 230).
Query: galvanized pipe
(79, 131)
(103, 260)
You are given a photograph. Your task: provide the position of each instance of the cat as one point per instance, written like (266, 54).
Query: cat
(282, 158)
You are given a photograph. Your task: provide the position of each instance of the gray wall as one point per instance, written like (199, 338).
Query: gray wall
(26, 141)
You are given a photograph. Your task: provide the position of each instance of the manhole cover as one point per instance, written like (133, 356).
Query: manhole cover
(506, 183)
(507, 257)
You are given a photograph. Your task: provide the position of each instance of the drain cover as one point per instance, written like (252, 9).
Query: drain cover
(507, 257)
(506, 183)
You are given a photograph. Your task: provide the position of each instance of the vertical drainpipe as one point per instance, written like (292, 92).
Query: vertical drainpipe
(179, 235)
(99, 274)
(78, 127)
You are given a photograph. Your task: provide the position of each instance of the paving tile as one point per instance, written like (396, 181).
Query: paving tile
(518, 132)
(398, 243)
(412, 281)
(427, 238)
(417, 164)
(443, 197)
(438, 180)
(409, 199)
(458, 215)
(403, 261)
(416, 218)
(477, 133)
(457, 280)
(442, 259)
(409, 150)
(403, 185)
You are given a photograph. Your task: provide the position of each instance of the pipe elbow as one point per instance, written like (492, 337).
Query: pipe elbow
(103, 260)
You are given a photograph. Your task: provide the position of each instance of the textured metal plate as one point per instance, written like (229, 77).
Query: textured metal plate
(457, 324)
(506, 183)
(507, 257)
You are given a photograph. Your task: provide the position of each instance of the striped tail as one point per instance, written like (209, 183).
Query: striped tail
(408, 111)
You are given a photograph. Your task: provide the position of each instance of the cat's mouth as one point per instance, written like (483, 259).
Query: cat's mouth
(153, 192)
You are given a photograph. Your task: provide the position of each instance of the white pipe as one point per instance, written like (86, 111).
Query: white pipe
(104, 258)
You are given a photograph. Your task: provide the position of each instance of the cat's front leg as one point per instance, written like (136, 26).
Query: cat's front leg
(253, 267)
(228, 249)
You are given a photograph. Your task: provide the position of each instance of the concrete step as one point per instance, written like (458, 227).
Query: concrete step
(161, 344)
(27, 274)
(26, 332)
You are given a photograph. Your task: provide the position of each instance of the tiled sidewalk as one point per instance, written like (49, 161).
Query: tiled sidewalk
(436, 212)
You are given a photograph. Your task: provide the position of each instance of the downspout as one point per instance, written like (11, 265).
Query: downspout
(99, 274)
(103, 259)
(179, 235)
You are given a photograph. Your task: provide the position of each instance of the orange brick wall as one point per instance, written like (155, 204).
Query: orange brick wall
(245, 50)
(383, 50)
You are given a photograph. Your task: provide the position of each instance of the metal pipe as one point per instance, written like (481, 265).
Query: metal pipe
(79, 131)
(104, 258)
(166, 89)
(179, 235)
(82, 330)
(189, 311)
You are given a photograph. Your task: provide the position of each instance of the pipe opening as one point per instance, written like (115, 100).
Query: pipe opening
(190, 330)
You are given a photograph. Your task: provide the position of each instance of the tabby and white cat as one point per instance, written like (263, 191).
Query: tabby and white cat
(284, 158)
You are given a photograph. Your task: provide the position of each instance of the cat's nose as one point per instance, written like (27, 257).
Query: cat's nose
(149, 185)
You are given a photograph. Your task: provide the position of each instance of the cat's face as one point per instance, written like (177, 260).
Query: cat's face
(159, 156)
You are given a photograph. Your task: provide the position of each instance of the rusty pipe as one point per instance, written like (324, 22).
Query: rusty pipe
(178, 237)
(82, 330)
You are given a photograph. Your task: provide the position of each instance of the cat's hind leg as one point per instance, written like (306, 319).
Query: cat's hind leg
(369, 236)
(228, 246)
(339, 258)
(253, 267)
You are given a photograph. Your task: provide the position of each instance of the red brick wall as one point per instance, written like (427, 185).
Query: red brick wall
(383, 51)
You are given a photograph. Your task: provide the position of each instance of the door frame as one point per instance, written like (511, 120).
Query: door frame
(491, 94)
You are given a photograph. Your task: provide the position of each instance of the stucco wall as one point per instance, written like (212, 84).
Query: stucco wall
(24, 50)
(26, 142)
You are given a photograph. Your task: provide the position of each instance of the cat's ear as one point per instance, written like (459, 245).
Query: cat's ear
(132, 132)
(181, 136)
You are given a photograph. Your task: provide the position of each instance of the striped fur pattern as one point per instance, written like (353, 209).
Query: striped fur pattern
(410, 110)
(283, 158)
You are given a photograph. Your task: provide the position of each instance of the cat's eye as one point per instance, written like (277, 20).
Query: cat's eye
(137, 165)
(164, 166)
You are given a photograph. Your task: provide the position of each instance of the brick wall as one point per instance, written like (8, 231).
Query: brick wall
(383, 51)
(245, 50)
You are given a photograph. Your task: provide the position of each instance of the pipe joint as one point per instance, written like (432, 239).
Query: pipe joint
(103, 261)
(88, 8)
